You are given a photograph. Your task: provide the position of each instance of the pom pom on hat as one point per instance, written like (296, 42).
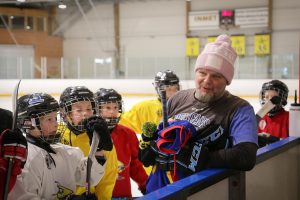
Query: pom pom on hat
(218, 56)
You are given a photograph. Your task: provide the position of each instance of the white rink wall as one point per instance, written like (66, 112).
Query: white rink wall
(132, 90)
(138, 87)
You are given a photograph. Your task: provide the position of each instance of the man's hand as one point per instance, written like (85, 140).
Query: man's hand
(192, 158)
(99, 125)
(266, 138)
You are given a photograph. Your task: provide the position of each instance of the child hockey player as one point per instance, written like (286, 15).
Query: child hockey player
(77, 104)
(126, 143)
(52, 170)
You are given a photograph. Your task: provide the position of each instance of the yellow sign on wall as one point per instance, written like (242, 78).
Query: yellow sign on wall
(211, 39)
(192, 47)
(239, 44)
(262, 44)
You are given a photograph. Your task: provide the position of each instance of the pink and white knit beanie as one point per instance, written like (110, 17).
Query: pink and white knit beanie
(218, 56)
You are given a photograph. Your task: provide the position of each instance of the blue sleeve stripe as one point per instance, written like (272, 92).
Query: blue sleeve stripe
(243, 127)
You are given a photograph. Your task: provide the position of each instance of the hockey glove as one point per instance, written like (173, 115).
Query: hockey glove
(147, 155)
(175, 136)
(149, 133)
(99, 125)
(192, 158)
(13, 145)
(265, 138)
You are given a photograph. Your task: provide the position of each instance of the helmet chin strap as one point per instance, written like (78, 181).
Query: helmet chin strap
(74, 128)
(52, 138)
(112, 122)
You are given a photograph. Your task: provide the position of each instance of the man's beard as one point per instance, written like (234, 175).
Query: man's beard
(206, 98)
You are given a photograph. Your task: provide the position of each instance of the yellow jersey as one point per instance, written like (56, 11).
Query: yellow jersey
(104, 188)
(144, 111)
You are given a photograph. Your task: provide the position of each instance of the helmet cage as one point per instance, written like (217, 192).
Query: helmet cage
(31, 108)
(281, 93)
(111, 121)
(165, 79)
(34, 122)
(105, 96)
(67, 109)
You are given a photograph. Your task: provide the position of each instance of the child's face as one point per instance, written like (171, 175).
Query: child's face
(48, 125)
(171, 90)
(80, 111)
(269, 94)
(109, 110)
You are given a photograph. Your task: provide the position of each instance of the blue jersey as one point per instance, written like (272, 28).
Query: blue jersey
(219, 125)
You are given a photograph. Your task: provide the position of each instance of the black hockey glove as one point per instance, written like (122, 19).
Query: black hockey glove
(99, 125)
(265, 138)
(192, 158)
(147, 155)
(149, 133)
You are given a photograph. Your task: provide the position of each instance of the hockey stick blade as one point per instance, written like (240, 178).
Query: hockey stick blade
(93, 149)
(14, 104)
(267, 107)
(15, 117)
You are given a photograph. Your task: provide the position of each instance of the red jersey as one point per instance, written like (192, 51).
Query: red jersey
(126, 144)
(278, 125)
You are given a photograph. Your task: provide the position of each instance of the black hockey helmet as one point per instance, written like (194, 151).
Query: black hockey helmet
(282, 91)
(278, 86)
(165, 78)
(73, 95)
(103, 96)
(30, 108)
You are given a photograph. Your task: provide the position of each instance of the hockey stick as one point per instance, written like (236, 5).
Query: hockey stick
(163, 97)
(275, 100)
(15, 117)
(93, 149)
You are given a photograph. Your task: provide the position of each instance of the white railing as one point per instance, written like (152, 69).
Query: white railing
(12, 67)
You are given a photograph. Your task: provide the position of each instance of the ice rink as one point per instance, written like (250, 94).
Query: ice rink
(132, 91)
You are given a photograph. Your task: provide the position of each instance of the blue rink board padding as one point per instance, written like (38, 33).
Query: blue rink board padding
(209, 177)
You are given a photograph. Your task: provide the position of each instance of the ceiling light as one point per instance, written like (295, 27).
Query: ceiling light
(99, 60)
(62, 5)
(21, 0)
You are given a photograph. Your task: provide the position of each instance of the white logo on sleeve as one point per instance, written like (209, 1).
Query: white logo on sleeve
(195, 156)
